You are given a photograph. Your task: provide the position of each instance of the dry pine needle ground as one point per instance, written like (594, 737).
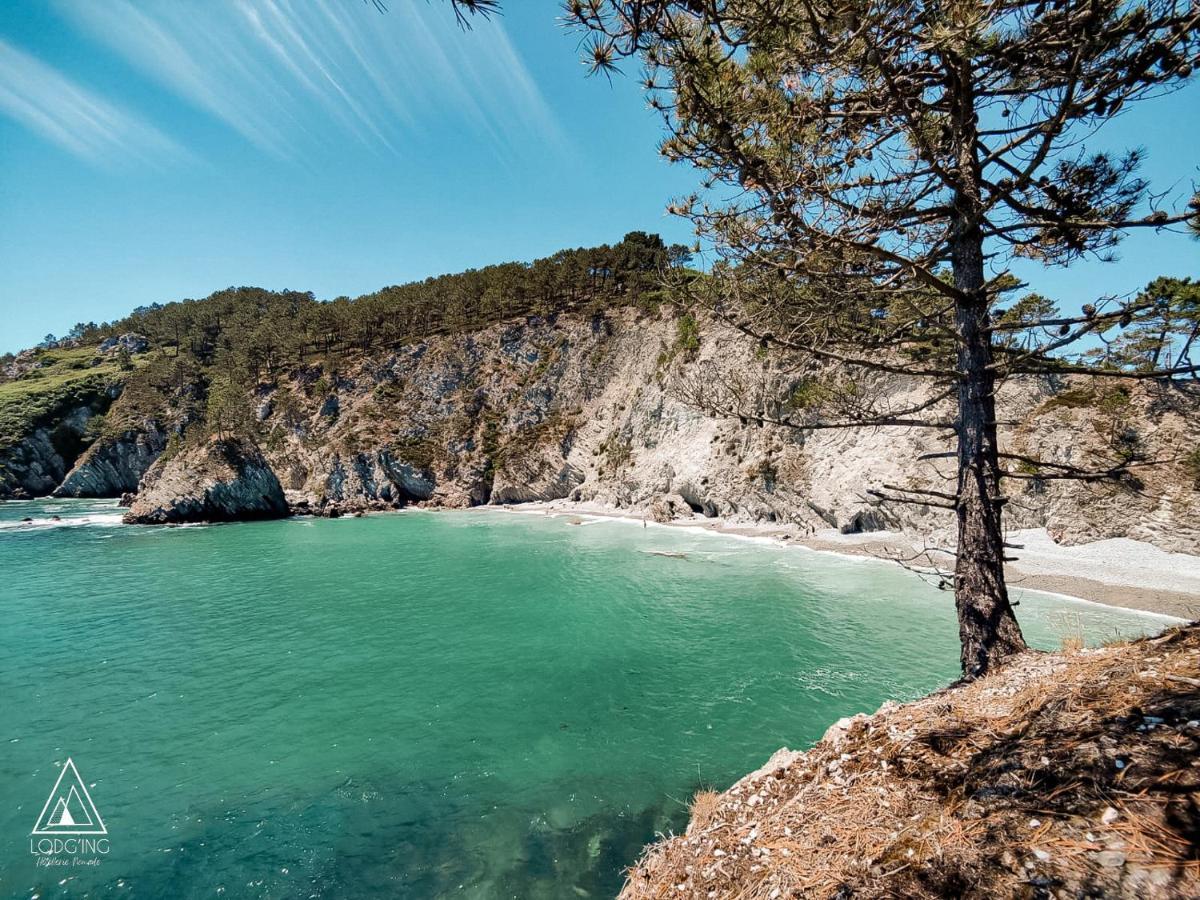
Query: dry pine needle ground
(1065, 775)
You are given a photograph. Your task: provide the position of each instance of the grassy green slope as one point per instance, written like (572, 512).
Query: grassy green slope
(65, 378)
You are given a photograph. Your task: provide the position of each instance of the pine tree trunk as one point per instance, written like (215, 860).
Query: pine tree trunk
(987, 628)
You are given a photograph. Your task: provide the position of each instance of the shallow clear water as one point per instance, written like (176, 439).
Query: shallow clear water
(475, 704)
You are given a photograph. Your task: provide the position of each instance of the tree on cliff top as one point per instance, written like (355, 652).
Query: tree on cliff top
(1164, 333)
(881, 163)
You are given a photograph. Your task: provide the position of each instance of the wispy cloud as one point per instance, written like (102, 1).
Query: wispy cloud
(46, 101)
(288, 75)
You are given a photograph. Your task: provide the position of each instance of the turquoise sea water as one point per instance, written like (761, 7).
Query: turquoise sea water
(475, 704)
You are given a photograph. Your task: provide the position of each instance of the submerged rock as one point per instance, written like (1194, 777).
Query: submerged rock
(219, 481)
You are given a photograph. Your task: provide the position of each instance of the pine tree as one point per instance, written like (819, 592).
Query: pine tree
(1163, 333)
(886, 160)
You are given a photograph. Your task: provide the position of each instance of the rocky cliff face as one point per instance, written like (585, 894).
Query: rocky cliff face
(217, 481)
(37, 464)
(43, 447)
(597, 409)
(114, 465)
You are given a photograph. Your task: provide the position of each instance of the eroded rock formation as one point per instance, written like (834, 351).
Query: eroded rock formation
(113, 466)
(219, 480)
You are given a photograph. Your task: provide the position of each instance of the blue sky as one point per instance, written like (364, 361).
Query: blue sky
(162, 149)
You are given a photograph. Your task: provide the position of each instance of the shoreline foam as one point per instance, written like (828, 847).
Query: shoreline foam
(1044, 567)
(1048, 571)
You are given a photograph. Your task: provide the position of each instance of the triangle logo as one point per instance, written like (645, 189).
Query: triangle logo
(69, 808)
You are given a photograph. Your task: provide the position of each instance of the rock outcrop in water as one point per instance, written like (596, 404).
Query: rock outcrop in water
(220, 480)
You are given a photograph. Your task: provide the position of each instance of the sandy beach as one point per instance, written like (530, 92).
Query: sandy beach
(1116, 572)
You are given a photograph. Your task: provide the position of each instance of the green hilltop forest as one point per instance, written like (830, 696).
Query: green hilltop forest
(258, 331)
(211, 351)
